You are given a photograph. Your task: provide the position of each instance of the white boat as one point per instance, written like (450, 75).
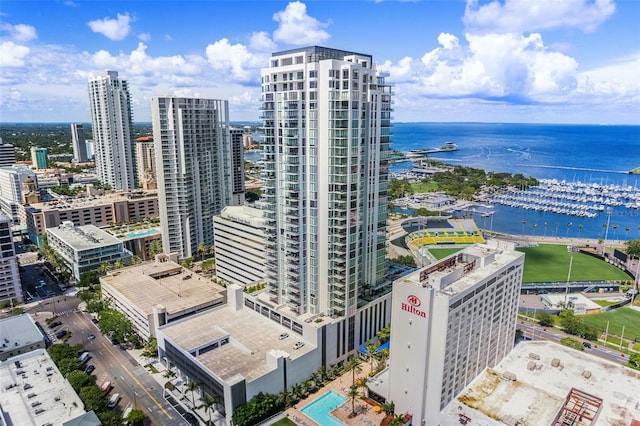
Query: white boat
(417, 153)
(448, 146)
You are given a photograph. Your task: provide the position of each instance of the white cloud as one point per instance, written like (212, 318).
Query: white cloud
(12, 55)
(114, 29)
(536, 15)
(144, 36)
(20, 32)
(260, 41)
(235, 59)
(298, 28)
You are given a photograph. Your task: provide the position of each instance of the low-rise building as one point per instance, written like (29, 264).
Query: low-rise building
(92, 209)
(85, 248)
(33, 392)
(239, 245)
(19, 334)
(11, 185)
(152, 294)
(544, 383)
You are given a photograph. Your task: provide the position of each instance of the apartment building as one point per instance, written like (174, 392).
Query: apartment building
(10, 284)
(79, 143)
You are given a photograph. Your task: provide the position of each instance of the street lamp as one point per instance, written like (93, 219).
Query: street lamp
(572, 250)
(606, 231)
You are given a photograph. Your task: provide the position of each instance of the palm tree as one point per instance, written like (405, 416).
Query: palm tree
(569, 225)
(316, 378)
(626, 232)
(353, 394)
(397, 420)
(209, 403)
(580, 229)
(169, 374)
(615, 230)
(155, 247)
(285, 398)
(135, 260)
(524, 222)
(212, 250)
(372, 346)
(324, 374)
(297, 391)
(104, 268)
(389, 408)
(192, 387)
(353, 365)
(535, 225)
(202, 249)
(118, 264)
(546, 224)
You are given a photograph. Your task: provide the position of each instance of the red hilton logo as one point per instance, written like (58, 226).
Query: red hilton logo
(413, 302)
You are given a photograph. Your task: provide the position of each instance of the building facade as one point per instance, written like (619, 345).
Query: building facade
(112, 128)
(239, 245)
(449, 321)
(194, 161)
(10, 284)
(7, 154)
(145, 156)
(326, 116)
(85, 248)
(95, 210)
(39, 158)
(79, 143)
(237, 167)
(11, 184)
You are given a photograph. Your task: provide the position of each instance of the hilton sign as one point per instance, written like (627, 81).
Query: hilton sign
(412, 305)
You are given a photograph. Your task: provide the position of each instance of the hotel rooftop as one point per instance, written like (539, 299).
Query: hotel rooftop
(33, 392)
(166, 283)
(544, 383)
(250, 337)
(84, 237)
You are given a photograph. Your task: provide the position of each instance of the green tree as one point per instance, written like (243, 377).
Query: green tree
(155, 247)
(192, 387)
(136, 418)
(79, 379)
(570, 323)
(114, 324)
(572, 343)
(93, 398)
(372, 347)
(202, 250)
(209, 403)
(109, 418)
(88, 279)
(389, 408)
(353, 394)
(545, 319)
(633, 248)
(67, 365)
(634, 360)
(353, 365)
(384, 334)
(64, 351)
(151, 348)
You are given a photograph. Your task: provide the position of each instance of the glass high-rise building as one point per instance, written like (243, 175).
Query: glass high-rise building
(327, 125)
(112, 128)
(194, 166)
(79, 143)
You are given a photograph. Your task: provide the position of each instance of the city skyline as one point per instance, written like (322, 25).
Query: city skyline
(573, 61)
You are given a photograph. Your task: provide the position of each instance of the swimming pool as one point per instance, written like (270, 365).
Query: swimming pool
(143, 233)
(319, 409)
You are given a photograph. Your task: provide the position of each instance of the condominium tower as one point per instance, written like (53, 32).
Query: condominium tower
(79, 143)
(112, 127)
(194, 168)
(326, 115)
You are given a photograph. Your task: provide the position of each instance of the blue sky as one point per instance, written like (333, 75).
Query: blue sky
(541, 61)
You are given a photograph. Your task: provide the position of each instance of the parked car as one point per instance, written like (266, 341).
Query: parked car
(89, 369)
(94, 320)
(586, 345)
(113, 401)
(91, 336)
(106, 387)
(55, 324)
(115, 341)
(60, 334)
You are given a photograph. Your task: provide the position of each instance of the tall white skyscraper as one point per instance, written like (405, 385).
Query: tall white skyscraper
(79, 143)
(449, 321)
(326, 116)
(194, 168)
(112, 128)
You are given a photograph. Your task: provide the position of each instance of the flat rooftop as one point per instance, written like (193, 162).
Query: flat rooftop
(17, 332)
(478, 262)
(607, 393)
(33, 392)
(251, 336)
(154, 283)
(88, 201)
(83, 237)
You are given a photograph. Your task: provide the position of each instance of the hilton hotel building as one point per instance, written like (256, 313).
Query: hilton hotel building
(449, 321)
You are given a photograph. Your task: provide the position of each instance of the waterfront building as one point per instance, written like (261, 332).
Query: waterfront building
(326, 118)
(239, 245)
(10, 284)
(112, 128)
(194, 160)
(92, 209)
(39, 158)
(85, 248)
(162, 292)
(78, 143)
(12, 179)
(449, 321)
(7, 154)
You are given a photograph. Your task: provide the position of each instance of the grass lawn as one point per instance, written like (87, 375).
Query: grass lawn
(604, 302)
(441, 253)
(419, 187)
(283, 422)
(628, 317)
(550, 263)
